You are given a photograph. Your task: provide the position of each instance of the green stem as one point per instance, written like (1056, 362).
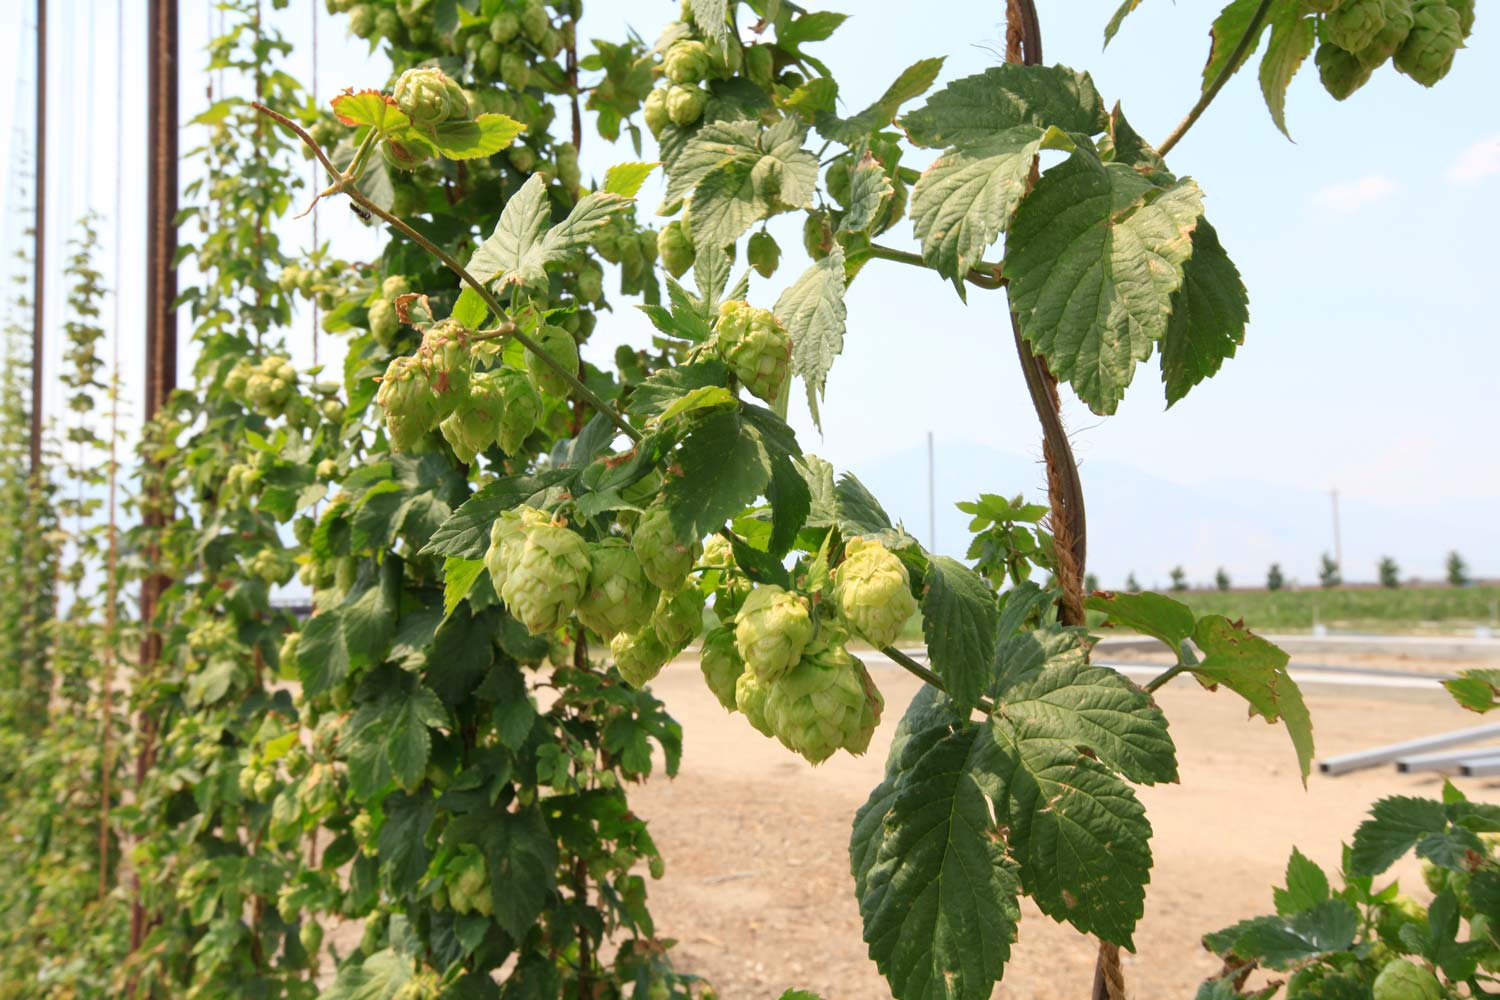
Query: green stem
(357, 165)
(916, 669)
(1161, 679)
(450, 262)
(985, 275)
(1241, 50)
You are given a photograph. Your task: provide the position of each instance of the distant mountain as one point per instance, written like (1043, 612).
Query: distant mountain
(1142, 523)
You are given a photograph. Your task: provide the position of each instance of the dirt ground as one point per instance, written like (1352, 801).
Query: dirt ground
(758, 893)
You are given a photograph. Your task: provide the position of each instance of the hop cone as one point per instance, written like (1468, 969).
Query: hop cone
(721, 665)
(686, 62)
(755, 346)
(475, 425)
(771, 631)
(410, 406)
(679, 618)
(665, 556)
(1465, 9)
(559, 345)
(675, 248)
(655, 111)
(1436, 34)
(1354, 24)
(1398, 24)
(1341, 72)
(685, 103)
(763, 254)
(507, 539)
(873, 591)
(821, 704)
(523, 407)
(618, 597)
(750, 696)
(547, 579)
(446, 347)
(427, 96)
(733, 587)
(639, 656)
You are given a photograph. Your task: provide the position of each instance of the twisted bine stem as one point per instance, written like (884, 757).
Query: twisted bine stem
(344, 184)
(1241, 50)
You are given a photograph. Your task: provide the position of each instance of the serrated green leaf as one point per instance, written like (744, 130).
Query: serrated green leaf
(1255, 670)
(724, 468)
(369, 107)
(731, 196)
(791, 502)
(322, 654)
(1149, 614)
(1280, 943)
(939, 903)
(466, 532)
(858, 512)
(1118, 18)
(913, 82)
(522, 245)
(1292, 39)
(711, 17)
(485, 135)
(1396, 824)
(469, 309)
(726, 203)
(1306, 886)
(1209, 315)
(1094, 255)
(1225, 34)
(408, 743)
(817, 96)
(714, 145)
(959, 620)
(965, 199)
(1135, 152)
(459, 576)
(522, 857)
(869, 188)
(378, 977)
(813, 312)
(1476, 690)
(970, 110)
(664, 388)
(625, 179)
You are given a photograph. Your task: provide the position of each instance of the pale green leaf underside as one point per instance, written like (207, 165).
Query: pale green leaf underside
(869, 187)
(1118, 18)
(976, 107)
(1095, 254)
(813, 312)
(522, 244)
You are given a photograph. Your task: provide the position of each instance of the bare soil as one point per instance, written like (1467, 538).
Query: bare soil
(759, 897)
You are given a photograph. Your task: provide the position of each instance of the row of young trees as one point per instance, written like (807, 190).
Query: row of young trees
(505, 544)
(1330, 574)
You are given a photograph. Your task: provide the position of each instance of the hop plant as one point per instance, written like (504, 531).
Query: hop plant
(750, 695)
(618, 597)
(507, 538)
(534, 21)
(666, 557)
(756, 347)
(1354, 24)
(428, 97)
(639, 656)
(685, 62)
(547, 579)
(523, 408)
(823, 703)
(721, 665)
(393, 287)
(679, 618)
(763, 253)
(560, 346)
(655, 112)
(1398, 24)
(685, 103)
(1341, 72)
(873, 590)
(771, 630)
(475, 425)
(674, 247)
(1436, 35)
(406, 396)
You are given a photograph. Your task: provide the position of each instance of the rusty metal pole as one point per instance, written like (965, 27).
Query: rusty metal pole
(38, 341)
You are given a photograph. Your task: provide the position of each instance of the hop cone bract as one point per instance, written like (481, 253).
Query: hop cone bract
(721, 665)
(618, 597)
(547, 579)
(685, 62)
(507, 538)
(754, 344)
(873, 590)
(665, 556)
(639, 656)
(1354, 24)
(1341, 72)
(750, 696)
(822, 704)
(771, 630)
(523, 407)
(679, 618)
(406, 395)
(1398, 24)
(475, 425)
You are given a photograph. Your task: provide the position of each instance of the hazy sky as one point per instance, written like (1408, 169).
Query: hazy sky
(1372, 362)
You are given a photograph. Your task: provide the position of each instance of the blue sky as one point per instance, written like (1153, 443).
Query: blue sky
(1372, 363)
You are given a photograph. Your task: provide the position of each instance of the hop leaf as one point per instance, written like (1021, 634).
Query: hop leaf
(771, 630)
(721, 665)
(547, 579)
(873, 591)
(665, 556)
(755, 345)
(618, 598)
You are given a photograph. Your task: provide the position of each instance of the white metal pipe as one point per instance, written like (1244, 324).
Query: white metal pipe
(1386, 754)
(1442, 760)
(1479, 767)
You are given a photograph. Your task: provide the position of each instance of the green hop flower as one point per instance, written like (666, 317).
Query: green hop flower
(568, 173)
(675, 248)
(725, 61)
(523, 407)
(504, 26)
(1436, 34)
(822, 703)
(685, 103)
(1341, 72)
(1392, 916)
(817, 235)
(310, 934)
(1354, 24)
(679, 618)
(508, 538)
(469, 884)
(763, 253)
(655, 111)
(750, 695)
(1398, 24)
(489, 58)
(755, 345)
(515, 71)
(873, 591)
(403, 156)
(760, 64)
(475, 425)
(639, 656)
(771, 631)
(446, 346)
(1465, 9)
(534, 21)
(618, 597)
(665, 555)
(732, 587)
(427, 96)
(685, 62)
(362, 20)
(1402, 979)
(562, 348)
(411, 407)
(522, 157)
(547, 579)
(721, 665)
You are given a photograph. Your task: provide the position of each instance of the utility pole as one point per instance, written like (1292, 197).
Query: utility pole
(38, 340)
(1338, 545)
(931, 500)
